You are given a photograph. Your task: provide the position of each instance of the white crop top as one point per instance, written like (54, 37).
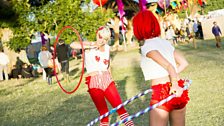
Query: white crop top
(150, 68)
(96, 60)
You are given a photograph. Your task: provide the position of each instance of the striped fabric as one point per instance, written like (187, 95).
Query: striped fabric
(128, 123)
(100, 81)
(104, 124)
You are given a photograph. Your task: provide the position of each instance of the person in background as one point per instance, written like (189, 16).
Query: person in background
(170, 35)
(200, 31)
(177, 34)
(217, 33)
(34, 70)
(195, 29)
(14, 72)
(36, 43)
(161, 64)
(4, 61)
(62, 52)
(26, 71)
(45, 40)
(189, 35)
(44, 58)
(19, 65)
(182, 34)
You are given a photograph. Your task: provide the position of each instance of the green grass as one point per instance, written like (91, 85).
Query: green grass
(29, 102)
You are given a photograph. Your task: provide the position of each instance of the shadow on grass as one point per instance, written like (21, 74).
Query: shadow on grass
(5, 92)
(112, 55)
(138, 104)
(51, 110)
(74, 111)
(78, 110)
(74, 71)
(10, 89)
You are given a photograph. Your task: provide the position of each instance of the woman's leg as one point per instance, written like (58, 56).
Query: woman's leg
(49, 75)
(219, 41)
(177, 117)
(43, 74)
(6, 72)
(158, 117)
(217, 38)
(113, 97)
(97, 96)
(1, 72)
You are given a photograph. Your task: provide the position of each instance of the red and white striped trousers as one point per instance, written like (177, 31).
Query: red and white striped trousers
(101, 80)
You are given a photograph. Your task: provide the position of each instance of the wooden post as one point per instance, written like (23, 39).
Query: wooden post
(116, 31)
(194, 43)
(124, 38)
(165, 7)
(101, 6)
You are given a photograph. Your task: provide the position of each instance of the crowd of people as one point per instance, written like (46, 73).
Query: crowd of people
(188, 30)
(19, 70)
(40, 55)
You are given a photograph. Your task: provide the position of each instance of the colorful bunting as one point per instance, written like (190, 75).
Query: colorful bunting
(142, 4)
(161, 3)
(121, 13)
(100, 2)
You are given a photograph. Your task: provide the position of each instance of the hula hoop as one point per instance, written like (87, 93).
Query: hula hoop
(150, 107)
(119, 106)
(54, 56)
(144, 111)
(139, 113)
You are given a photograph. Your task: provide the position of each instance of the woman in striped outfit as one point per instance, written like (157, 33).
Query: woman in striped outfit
(101, 86)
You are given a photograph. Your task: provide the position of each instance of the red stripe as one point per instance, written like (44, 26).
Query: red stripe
(129, 123)
(101, 81)
(123, 116)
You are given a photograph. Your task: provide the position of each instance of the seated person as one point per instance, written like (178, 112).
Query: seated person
(14, 72)
(34, 70)
(26, 71)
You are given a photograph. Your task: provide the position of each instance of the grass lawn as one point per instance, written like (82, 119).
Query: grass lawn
(31, 102)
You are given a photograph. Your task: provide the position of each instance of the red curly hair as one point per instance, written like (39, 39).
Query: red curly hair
(145, 25)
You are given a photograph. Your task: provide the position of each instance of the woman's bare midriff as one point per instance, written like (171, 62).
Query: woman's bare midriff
(95, 73)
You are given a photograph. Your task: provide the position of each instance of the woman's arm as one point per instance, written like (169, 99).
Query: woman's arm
(77, 45)
(181, 61)
(174, 77)
(157, 57)
(220, 31)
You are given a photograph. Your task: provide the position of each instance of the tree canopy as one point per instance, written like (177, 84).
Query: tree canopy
(27, 16)
(50, 17)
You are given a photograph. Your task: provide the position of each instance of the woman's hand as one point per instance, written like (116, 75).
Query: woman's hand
(175, 89)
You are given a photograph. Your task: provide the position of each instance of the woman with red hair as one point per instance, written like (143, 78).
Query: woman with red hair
(161, 64)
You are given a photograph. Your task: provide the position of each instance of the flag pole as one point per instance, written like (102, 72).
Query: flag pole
(101, 6)
(165, 7)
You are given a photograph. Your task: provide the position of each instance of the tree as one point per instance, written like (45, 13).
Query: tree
(51, 17)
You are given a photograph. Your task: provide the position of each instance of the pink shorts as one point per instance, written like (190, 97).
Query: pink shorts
(99, 81)
(161, 91)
